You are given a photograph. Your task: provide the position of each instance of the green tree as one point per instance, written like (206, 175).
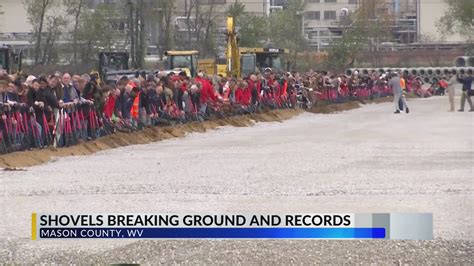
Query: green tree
(458, 18)
(36, 12)
(97, 32)
(343, 52)
(235, 10)
(166, 7)
(55, 25)
(285, 26)
(362, 30)
(75, 8)
(207, 19)
(253, 30)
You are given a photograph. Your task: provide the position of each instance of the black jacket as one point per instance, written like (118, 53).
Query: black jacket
(466, 83)
(45, 96)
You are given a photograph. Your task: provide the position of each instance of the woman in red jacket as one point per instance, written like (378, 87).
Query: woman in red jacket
(243, 94)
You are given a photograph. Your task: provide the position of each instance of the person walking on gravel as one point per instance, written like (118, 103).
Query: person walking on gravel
(396, 86)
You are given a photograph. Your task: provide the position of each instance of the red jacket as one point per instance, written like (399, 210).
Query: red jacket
(243, 96)
(183, 86)
(252, 84)
(207, 91)
(109, 106)
(284, 88)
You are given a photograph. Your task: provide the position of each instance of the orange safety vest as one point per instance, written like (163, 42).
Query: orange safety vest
(402, 83)
(135, 107)
(285, 88)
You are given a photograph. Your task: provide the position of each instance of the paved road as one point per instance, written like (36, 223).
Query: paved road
(364, 160)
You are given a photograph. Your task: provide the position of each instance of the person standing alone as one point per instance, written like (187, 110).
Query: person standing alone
(395, 85)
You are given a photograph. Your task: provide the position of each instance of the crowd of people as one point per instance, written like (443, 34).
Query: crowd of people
(63, 109)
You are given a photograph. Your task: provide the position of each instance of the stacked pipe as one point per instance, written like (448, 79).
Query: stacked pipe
(426, 74)
(464, 61)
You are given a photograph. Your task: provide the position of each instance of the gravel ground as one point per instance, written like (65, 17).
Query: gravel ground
(364, 160)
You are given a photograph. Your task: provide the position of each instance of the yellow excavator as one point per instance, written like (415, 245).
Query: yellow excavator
(242, 61)
(186, 61)
(239, 61)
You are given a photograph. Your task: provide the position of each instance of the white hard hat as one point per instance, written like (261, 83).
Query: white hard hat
(29, 80)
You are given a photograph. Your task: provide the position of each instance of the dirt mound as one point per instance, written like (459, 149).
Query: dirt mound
(35, 157)
(152, 134)
(338, 107)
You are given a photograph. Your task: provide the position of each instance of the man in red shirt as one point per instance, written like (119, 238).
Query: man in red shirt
(207, 92)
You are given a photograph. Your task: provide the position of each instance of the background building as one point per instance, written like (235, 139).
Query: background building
(320, 16)
(412, 21)
(428, 13)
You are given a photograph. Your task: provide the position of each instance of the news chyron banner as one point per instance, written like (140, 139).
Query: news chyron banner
(410, 226)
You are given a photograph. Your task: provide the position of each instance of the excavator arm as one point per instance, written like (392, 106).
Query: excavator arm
(233, 56)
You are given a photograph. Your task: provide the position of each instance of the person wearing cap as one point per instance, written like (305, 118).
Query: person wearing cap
(29, 80)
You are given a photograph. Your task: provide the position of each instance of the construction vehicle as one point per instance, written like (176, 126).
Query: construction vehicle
(116, 64)
(232, 52)
(10, 60)
(264, 58)
(186, 61)
(241, 61)
(238, 61)
(112, 64)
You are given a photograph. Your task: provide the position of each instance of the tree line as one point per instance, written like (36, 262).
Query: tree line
(69, 28)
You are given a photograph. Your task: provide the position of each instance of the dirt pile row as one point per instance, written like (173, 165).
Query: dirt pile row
(12, 161)
(34, 157)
